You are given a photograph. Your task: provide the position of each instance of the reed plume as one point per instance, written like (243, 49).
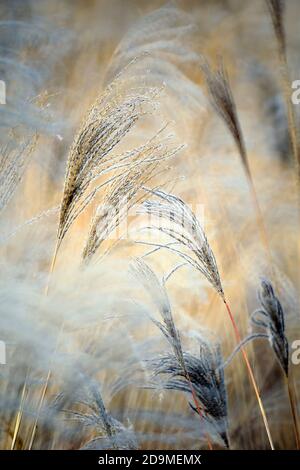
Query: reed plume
(223, 102)
(187, 232)
(277, 10)
(88, 409)
(106, 125)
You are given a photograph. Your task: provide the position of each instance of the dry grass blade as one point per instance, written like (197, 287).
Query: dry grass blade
(188, 233)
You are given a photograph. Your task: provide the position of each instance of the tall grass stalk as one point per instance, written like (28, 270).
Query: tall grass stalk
(270, 318)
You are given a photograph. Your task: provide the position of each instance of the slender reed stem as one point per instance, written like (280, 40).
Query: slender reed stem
(292, 399)
(54, 258)
(44, 391)
(22, 402)
(286, 85)
(251, 375)
(20, 412)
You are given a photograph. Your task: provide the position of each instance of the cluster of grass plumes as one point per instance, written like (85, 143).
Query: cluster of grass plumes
(201, 376)
(90, 364)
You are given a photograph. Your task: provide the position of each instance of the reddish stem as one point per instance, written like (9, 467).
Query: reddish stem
(250, 372)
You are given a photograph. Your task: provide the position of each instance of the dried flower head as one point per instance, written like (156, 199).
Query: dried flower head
(185, 229)
(223, 102)
(270, 317)
(159, 295)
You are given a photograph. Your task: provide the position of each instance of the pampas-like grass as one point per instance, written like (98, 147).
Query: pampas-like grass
(201, 376)
(188, 233)
(109, 120)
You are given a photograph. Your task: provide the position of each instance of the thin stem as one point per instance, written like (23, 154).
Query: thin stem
(39, 410)
(292, 399)
(44, 391)
(23, 395)
(262, 227)
(251, 375)
(53, 262)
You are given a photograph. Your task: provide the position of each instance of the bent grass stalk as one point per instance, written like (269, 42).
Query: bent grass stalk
(250, 373)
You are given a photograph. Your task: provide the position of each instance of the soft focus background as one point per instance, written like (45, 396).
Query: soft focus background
(56, 58)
